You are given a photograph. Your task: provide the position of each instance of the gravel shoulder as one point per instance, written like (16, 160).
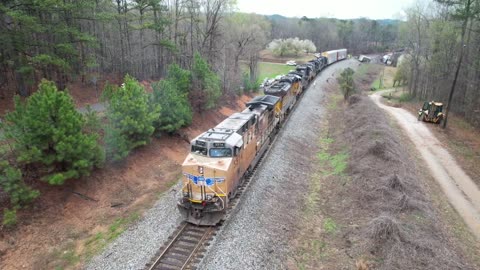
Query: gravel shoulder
(259, 234)
(137, 246)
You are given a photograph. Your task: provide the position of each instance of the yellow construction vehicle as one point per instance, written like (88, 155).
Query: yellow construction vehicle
(431, 112)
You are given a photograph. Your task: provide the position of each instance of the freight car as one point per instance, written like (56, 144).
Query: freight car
(335, 55)
(221, 158)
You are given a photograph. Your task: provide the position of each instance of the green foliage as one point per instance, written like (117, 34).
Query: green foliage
(48, 131)
(248, 85)
(9, 217)
(12, 183)
(405, 97)
(130, 116)
(401, 75)
(107, 91)
(182, 78)
(175, 109)
(92, 122)
(346, 82)
(206, 84)
(329, 225)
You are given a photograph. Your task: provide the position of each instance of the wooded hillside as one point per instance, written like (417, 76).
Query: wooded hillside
(69, 40)
(443, 42)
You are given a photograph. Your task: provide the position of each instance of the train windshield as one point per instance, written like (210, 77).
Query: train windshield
(220, 152)
(199, 150)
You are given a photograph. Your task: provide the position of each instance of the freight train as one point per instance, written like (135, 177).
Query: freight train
(223, 156)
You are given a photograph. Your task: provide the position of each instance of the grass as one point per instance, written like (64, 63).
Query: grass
(271, 70)
(70, 255)
(329, 225)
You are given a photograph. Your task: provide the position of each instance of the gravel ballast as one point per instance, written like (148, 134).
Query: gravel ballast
(258, 232)
(137, 246)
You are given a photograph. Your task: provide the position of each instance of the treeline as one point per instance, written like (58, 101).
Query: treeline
(47, 139)
(443, 40)
(70, 40)
(83, 40)
(358, 35)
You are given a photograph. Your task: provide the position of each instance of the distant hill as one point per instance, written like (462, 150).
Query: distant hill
(277, 17)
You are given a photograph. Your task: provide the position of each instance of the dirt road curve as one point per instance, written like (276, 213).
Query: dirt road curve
(461, 191)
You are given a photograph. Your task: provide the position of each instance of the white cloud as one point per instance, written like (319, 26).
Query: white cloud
(342, 9)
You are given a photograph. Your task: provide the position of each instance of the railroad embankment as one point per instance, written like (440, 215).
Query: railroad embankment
(371, 202)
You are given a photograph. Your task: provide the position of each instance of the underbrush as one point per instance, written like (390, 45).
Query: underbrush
(367, 206)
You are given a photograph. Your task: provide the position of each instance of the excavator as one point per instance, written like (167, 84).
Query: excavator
(431, 112)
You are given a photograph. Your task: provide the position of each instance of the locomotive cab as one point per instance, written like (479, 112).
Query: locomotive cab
(220, 158)
(205, 192)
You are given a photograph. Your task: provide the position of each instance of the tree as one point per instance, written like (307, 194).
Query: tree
(130, 119)
(463, 11)
(182, 78)
(48, 131)
(12, 183)
(205, 84)
(175, 110)
(346, 82)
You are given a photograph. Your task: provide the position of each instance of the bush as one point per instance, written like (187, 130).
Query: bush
(12, 183)
(346, 82)
(206, 88)
(405, 97)
(9, 217)
(175, 110)
(290, 46)
(48, 130)
(130, 119)
(248, 85)
(182, 78)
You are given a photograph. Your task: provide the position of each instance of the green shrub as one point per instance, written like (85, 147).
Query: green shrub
(405, 97)
(47, 130)
(12, 183)
(206, 88)
(130, 119)
(175, 109)
(182, 78)
(9, 217)
(346, 82)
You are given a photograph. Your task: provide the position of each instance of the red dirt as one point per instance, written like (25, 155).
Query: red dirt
(60, 218)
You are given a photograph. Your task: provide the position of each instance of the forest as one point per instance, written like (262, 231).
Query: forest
(196, 51)
(442, 39)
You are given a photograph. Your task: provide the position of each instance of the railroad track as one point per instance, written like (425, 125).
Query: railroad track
(185, 247)
(182, 248)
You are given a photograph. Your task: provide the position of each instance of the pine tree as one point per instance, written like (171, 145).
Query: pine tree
(130, 116)
(47, 132)
(206, 84)
(176, 111)
(12, 183)
(347, 83)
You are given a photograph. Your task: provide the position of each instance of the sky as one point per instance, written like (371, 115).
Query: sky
(341, 9)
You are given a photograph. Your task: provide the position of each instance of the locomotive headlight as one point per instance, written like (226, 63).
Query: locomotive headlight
(200, 169)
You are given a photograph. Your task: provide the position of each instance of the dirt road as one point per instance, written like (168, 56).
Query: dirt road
(459, 188)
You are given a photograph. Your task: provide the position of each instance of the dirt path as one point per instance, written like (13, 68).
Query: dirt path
(461, 191)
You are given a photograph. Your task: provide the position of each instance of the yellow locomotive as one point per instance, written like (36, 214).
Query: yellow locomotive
(221, 157)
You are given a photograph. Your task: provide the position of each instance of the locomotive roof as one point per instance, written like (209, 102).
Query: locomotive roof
(290, 78)
(267, 100)
(277, 88)
(234, 122)
(297, 73)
